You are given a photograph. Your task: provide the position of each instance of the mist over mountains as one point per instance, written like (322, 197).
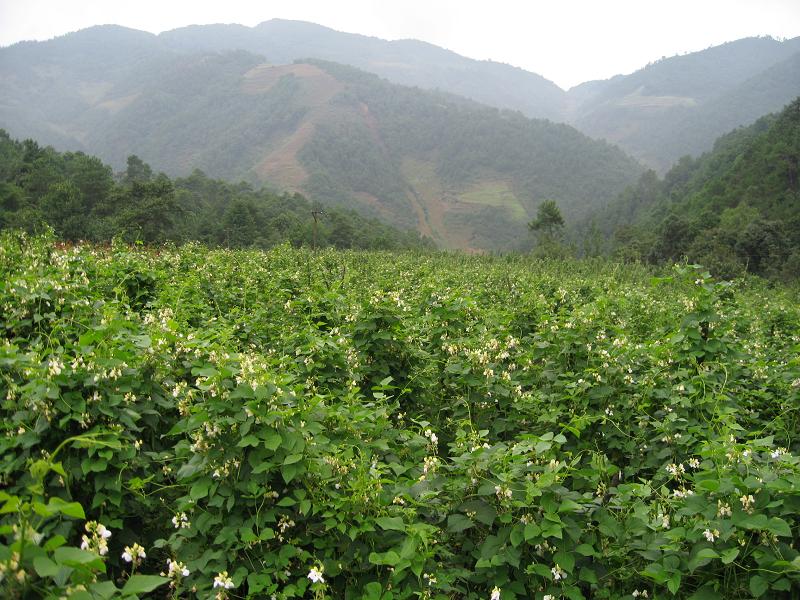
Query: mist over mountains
(464, 156)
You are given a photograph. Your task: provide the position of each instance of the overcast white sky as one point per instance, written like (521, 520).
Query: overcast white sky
(567, 41)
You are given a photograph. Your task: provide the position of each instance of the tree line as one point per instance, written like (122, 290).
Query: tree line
(81, 198)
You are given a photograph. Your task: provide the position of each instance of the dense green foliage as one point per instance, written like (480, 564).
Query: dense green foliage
(360, 425)
(79, 197)
(734, 209)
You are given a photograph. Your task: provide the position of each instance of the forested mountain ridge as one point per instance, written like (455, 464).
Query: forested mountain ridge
(734, 209)
(680, 105)
(675, 106)
(81, 199)
(466, 175)
(408, 62)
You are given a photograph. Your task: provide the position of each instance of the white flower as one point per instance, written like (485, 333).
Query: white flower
(548, 597)
(134, 554)
(176, 569)
(222, 580)
(711, 536)
(102, 531)
(181, 521)
(55, 366)
(315, 575)
(694, 463)
(495, 593)
(558, 573)
(502, 491)
(675, 470)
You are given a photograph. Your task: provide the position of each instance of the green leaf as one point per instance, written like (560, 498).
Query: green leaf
(706, 593)
(292, 459)
(532, 530)
(372, 591)
(272, 440)
(541, 570)
(458, 523)
(729, 555)
(758, 585)
(574, 593)
(290, 471)
(674, 583)
(566, 560)
(778, 526)
(141, 584)
(45, 567)
(75, 557)
(702, 557)
(568, 505)
(71, 509)
(103, 590)
(248, 440)
(11, 505)
(390, 558)
(391, 523)
(200, 489)
(54, 542)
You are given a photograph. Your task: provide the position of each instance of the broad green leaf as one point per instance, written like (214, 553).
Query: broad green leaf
(729, 555)
(141, 584)
(674, 583)
(391, 523)
(45, 567)
(758, 586)
(458, 523)
(778, 526)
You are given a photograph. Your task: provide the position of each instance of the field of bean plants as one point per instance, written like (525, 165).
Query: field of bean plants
(192, 423)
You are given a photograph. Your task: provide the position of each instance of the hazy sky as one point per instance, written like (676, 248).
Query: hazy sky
(567, 41)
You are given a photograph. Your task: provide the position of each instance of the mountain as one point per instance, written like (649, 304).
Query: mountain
(680, 105)
(467, 175)
(407, 62)
(675, 106)
(734, 209)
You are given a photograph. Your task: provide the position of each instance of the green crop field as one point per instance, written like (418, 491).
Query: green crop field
(192, 423)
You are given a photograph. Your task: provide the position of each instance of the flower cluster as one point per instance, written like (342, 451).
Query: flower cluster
(315, 574)
(502, 491)
(711, 535)
(134, 554)
(222, 580)
(97, 540)
(676, 470)
(181, 521)
(176, 571)
(748, 504)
